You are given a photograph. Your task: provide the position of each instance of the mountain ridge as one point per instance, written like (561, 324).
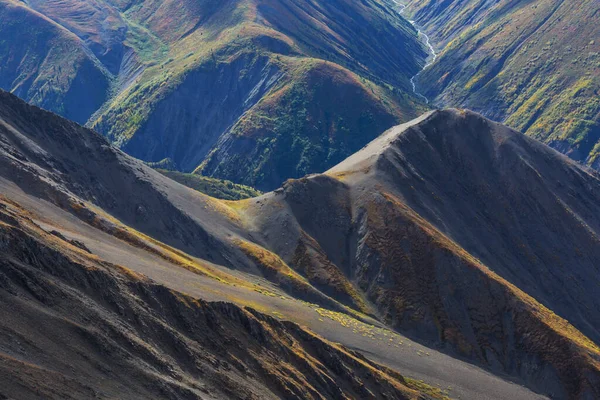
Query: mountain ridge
(405, 245)
(412, 267)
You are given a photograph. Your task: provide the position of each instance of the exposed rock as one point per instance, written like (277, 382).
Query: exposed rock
(458, 229)
(454, 230)
(73, 327)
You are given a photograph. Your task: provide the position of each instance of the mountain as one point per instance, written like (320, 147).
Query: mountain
(448, 248)
(463, 234)
(45, 64)
(534, 66)
(209, 86)
(78, 322)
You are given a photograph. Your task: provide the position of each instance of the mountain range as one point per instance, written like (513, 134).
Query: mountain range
(210, 86)
(472, 241)
(292, 199)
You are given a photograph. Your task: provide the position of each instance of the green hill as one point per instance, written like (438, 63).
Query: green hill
(212, 84)
(534, 65)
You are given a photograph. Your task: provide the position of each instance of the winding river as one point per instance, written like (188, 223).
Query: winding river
(432, 54)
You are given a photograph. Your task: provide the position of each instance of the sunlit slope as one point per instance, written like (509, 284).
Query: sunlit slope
(192, 82)
(533, 65)
(223, 94)
(148, 341)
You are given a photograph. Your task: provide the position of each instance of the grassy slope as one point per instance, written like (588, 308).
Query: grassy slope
(182, 74)
(220, 189)
(316, 120)
(535, 66)
(212, 41)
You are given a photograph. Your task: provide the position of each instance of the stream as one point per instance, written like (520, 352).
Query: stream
(432, 54)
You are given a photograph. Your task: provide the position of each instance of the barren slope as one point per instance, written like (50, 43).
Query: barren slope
(463, 234)
(350, 255)
(74, 326)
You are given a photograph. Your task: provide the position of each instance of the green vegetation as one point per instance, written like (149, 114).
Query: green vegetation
(167, 62)
(306, 126)
(432, 391)
(218, 188)
(535, 67)
(148, 47)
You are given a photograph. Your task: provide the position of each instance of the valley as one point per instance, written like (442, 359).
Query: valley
(432, 53)
(299, 199)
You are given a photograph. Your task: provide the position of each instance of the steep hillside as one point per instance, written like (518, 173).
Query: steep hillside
(47, 65)
(533, 65)
(421, 251)
(463, 234)
(209, 84)
(100, 26)
(76, 327)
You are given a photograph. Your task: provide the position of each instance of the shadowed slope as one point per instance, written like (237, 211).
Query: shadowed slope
(47, 65)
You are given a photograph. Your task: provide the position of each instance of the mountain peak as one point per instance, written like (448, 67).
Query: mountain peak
(447, 137)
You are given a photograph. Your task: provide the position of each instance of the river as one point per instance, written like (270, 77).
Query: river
(432, 54)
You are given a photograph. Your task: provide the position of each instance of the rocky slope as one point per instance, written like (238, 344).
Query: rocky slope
(452, 230)
(464, 234)
(76, 327)
(534, 66)
(208, 85)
